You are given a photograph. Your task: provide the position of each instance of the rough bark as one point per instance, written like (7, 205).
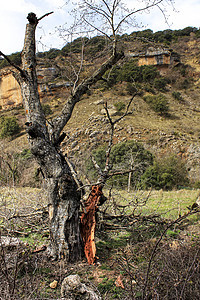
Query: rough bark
(64, 199)
(63, 188)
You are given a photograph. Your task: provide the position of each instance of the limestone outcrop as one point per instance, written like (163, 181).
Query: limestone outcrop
(159, 57)
(10, 94)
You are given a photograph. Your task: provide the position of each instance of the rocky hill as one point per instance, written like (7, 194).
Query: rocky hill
(173, 72)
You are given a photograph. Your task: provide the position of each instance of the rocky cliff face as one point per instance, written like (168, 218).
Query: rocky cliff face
(48, 77)
(10, 94)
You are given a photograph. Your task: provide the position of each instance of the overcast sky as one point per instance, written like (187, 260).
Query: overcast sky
(13, 21)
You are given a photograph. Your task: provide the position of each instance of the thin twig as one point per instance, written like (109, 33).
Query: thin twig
(178, 220)
(25, 216)
(187, 276)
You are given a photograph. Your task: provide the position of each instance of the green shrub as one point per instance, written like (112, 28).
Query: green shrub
(130, 72)
(100, 156)
(166, 173)
(52, 53)
(186, 31)
(165, 36)
(8, 127)
(131, 88)
(112, 76)
(177, 96)
(149, 89)
(196, 185)
(95, 45)
(74, 47)
(149, 73)
(160, 84)
(123, 156)
(119, 106)
(185, 84)
(26, 154)
(158, 103)
(172, 233)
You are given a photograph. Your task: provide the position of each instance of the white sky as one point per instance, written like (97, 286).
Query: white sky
(13, 15)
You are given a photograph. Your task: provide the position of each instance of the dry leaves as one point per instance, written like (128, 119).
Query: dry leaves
(53, 284)
(119, 282)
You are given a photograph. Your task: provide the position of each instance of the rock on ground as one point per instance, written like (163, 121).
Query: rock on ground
(73, 289)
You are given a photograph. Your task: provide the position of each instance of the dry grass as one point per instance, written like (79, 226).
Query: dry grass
(124, 250)
(20, 198)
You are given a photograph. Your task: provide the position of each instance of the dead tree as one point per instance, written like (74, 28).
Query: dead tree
(64, 193)
(64, 196)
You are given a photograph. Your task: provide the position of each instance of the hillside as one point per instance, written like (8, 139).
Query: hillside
(176, 131)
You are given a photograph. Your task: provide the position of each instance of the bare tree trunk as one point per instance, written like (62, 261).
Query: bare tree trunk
(44, 139)
(64, 199)
(64, 203)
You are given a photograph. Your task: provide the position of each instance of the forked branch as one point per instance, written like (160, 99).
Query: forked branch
(107, 172)
(112, 125)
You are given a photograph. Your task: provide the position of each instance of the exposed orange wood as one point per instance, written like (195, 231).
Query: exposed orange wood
(88, 223)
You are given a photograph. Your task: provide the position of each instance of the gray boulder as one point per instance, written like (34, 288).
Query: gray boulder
(72, 289)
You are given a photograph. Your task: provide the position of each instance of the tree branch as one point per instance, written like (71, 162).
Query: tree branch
(47, 14)
(96, 28)
(137, 11)
(127, 109)
(112, 124)
(22, 72)
(61, 120)
(95, 164)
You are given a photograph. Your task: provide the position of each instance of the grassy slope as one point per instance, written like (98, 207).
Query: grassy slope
(184, 115)
(159, 134)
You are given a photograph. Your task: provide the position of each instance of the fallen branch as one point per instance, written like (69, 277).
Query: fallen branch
(28, 215)
(40, 249)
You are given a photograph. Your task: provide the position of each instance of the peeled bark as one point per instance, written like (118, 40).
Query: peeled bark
(88, 223)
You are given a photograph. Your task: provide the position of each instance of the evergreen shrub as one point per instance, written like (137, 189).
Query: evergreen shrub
(9, 126)
(158, 103)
